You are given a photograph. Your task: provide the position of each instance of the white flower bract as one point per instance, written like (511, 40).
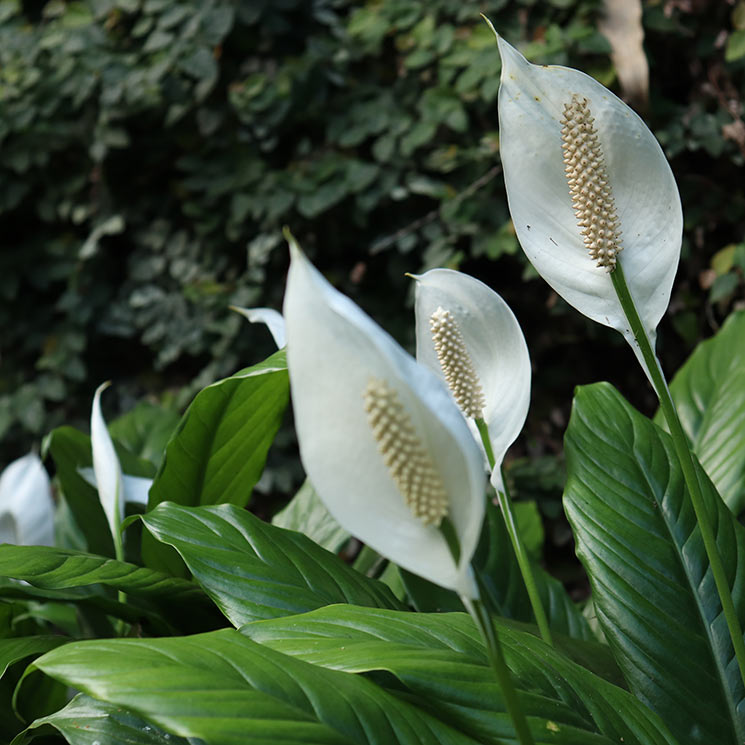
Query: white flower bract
(26, 505)
(640, 186)
(268, 316)
(334, 351)
(106, 466)
(494, 344)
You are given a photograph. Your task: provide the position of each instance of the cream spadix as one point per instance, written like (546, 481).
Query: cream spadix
(381, 440)
(587, 185)
(468, 336)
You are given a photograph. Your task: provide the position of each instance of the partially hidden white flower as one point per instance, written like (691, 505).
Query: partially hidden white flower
(382, 441)
(587, 185)
(135, 488)
(272, 318)
(471, 339)
(106, 467)
(26, 505)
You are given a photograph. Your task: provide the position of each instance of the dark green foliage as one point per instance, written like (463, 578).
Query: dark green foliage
(150, 152)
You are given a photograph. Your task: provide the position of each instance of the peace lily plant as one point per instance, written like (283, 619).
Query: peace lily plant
(220, 627)
(597, 211)
(468, 336)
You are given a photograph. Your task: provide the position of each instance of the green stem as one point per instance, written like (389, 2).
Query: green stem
(523, 561)
(496, 658)
(683, 452)
(483, 622)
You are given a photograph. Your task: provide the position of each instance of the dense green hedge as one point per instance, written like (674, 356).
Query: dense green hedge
(151, 150)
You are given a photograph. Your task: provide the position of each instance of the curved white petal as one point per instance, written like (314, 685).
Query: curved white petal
(136, 488)
(106, 466)
(531, 103)
(333, 351)
(494, 342)
(272, 318)
(26, 505)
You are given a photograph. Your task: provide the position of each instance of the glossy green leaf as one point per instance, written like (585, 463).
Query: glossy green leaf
(218, 451)
(85, 721)
(505, 592)
(16, 649)
(307, 514)
(441, 662)
(254, 570)
(228, 690)
(145, 430)
(69, 575)
(709, 392)
(653, 592)
(71, 451)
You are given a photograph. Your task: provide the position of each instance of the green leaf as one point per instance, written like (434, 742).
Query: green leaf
(17, 649)
(505, 592)
(224, 688)
(440, 661)
(180, 602)
(307, 514)
(219, 449)
(145, 430)
(253, 570)
(71, 451)
(218, 452)
(85, 721)
(708, 392)
(653, 591)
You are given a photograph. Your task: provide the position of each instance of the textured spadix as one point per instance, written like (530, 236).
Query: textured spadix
(359, 401)
(26, 506)
(640, 186)
(106, 467)
(494, 346)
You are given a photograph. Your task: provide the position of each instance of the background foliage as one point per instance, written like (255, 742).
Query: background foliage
(150, 152)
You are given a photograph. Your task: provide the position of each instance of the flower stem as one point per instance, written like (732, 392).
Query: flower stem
(685, 458)
(523, 561)
(483, 621)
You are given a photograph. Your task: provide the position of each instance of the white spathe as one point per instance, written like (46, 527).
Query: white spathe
(136, 489)
(495, 345)
(106, 466)
(271, 318)
(531, 105)
(26, 505)
(333, 351)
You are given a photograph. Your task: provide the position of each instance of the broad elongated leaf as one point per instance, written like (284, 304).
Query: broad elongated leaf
(228, 690)
(71, 451)
(708, 391)
(653, 591)
(218, 452)
(441, 661)
(85, 721)
(145, 430)
(307, 514)
(54, 569)
(219, 449)
(17, 649)
(254, 570)
(497, 566)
